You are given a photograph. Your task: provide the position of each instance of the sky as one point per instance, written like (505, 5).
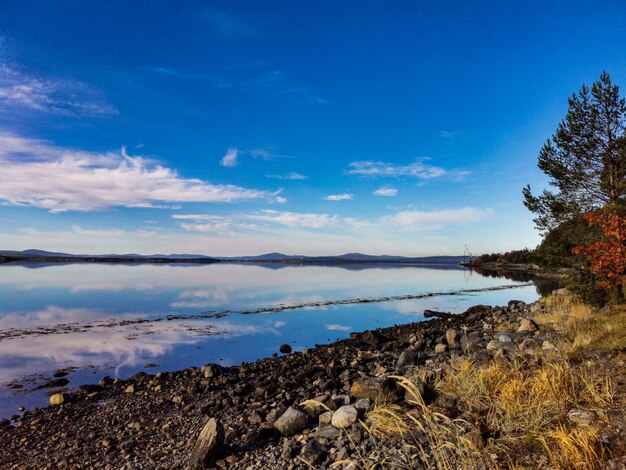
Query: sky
(315, 128)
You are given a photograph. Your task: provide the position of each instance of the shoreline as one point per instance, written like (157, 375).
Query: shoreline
(152, 421)
(519, 268)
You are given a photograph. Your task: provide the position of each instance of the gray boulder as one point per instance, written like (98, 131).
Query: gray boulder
(291, 422)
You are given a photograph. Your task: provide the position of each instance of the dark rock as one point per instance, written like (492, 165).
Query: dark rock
(140, 377)
(327, 432)
(274, 414)
(285, 348)
(371, 338)
(408, 357)
(106, 381)
(90, 388)
(433, 313)
(313, 453)
(375, 389)
(289, 450)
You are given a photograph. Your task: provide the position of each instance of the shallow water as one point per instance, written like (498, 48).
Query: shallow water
(114, 320)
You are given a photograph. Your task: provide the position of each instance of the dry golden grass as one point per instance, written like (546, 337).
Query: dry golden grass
(524, 402)
(585, 329)
(524, 405)
(430, 438)
(577, 448)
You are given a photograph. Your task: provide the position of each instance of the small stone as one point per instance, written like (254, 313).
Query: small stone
(503, 338)
(327, 432)
(451, 336)
(285, 348)
(274, 414)
(581, 417)
(547, 346)
(493, 345)
(209, 442)
(325, 418)
(527, 325)
(289, 450)
(318, 405)
(57, 399)
(106, 381)
(345, 417)
(130, 389)
(363, 405)
(440, 348)
(211, 370)
(407, 358)
(313, 452)
(371, 338)
(291, 422)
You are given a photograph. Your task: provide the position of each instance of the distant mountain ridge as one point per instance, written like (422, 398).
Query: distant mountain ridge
(348, 258)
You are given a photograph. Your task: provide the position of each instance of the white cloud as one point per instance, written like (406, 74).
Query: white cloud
(99, 233)
(23, 91)
(385, 191)
(280, 200)
(295, 219)
(433, 220)
(208, 227)
(338, 197)
(37, 173)
(417, 169)
(230, 159)
(196, 217)
(292, 175)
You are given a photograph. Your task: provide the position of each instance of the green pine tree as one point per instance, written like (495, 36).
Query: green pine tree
(585, 159)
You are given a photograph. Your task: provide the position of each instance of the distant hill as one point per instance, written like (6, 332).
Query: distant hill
(34, 255)
(344, 259)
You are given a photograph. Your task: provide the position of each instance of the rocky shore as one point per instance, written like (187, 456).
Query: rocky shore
(307, 409)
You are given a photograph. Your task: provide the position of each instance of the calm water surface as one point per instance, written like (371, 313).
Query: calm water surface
(114, 320)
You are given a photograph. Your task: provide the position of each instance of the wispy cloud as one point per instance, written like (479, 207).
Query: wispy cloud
(37, 173)
(338, 197)
(433, 220)
(233, 156)
(408, 220)
(449, 135)
(230, 158)
(418, 169)
(385, 191)
(296, 219)
(292, 175)
(22, 91)
(376, 168)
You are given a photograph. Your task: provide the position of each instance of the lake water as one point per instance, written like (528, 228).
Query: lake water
(101, 319)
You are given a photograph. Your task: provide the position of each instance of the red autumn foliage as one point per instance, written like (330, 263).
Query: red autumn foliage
(607, 257)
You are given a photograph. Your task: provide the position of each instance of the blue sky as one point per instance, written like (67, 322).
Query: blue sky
(230, 128)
